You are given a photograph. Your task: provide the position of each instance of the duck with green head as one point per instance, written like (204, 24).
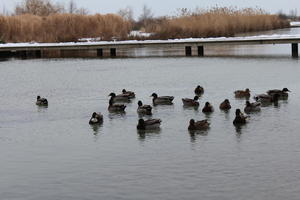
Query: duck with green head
(161, 100)
(191, 102)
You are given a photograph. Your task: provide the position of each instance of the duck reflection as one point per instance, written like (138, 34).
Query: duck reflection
(96, 128)
(144, 135)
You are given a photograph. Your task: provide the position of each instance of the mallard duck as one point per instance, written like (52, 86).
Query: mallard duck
(242, 93)
(97, 118)
(41, 101)
(144, 109)
(130, 94)
(266, 98)
(282, 93)
(252, 107)
(225, 105)
(207, 108)
(199, 90)
(119, 98)
(115, 107)
(148, 124)
(162, 99)
(198, 125)
(191, 102)
(239, 118)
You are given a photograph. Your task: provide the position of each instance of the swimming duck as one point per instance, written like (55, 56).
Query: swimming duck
(199, 90)
(242, 93)
(41, 101)
(252, 107)
(266, 98)
(162, 99)
(191, 102)
(116, 107)
(119, 98)
(225, 105)
(144, 109)
(282, 93)
(130, 94)
(198, 125)
(239, 118)
(149, 124)
(97, 118)
(207, 108)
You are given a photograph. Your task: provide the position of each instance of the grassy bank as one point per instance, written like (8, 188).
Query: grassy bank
(201, 23)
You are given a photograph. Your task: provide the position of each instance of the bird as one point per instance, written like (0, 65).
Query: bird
(282, 93)
(41, 101)
(163, 100)
(198, 125)
(207, 108)
(242, 93)
(266, 98)
(191, 102)
(144, 109)
(149, 124)
(199, 90)
(119, 98)
(97, 118)
(130, 94)
(115, 107)
(240, 119)
(252, 107)
(225, 105)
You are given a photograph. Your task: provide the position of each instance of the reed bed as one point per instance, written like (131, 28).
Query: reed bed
(62, 27)
(214, 22)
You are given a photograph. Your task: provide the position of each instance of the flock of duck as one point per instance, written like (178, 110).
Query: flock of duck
(117, 104)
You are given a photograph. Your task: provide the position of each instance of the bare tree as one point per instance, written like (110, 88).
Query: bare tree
(126, 13)
(146, 13)
(72, 8)
(38, 7)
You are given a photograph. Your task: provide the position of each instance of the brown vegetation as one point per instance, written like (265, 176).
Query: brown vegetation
(214, 22)
(62, 27)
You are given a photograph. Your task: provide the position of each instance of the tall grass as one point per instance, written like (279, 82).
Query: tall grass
(214, 22)
(62, 27)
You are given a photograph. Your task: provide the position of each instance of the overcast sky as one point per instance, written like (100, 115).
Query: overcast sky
(168, 7)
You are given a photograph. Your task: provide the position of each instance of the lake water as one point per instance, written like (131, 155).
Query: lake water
(53, 153)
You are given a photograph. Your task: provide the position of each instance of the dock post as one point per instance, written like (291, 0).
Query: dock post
(188, 51)
(295, 50)
(99, 52)
(113, 52)
(200, 51)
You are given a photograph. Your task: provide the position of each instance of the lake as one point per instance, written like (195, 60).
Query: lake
(53, 153)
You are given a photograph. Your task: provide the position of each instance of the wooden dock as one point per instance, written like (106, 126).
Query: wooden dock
(111, 49)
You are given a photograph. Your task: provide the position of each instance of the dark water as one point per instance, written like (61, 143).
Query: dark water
(52, 153)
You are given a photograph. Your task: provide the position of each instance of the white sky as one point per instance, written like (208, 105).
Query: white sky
(168, 7)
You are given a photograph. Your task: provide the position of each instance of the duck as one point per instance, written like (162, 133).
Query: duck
(149, 124)
(119, 98)
(225, 105)
(266, 98)
(144, 109)
(163, 100)
(115, 107)
(199, 90)
(240, 119)
(130, 94)
(41, 101)
(191, 102)
(242, 93)
(97, 118)
(282, 93)
(252, 107)
(198, 125)
(208, 108)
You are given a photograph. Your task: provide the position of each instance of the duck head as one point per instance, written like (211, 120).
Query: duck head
(285, 90)
(192, 122)
(248, 103)
(196, 98)
(247, 90)
(140, 103)
(38, 97)
(237, 112)
(94, 115)
(154, 95)
(124, 91)
(207, 104)
(112, 94)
